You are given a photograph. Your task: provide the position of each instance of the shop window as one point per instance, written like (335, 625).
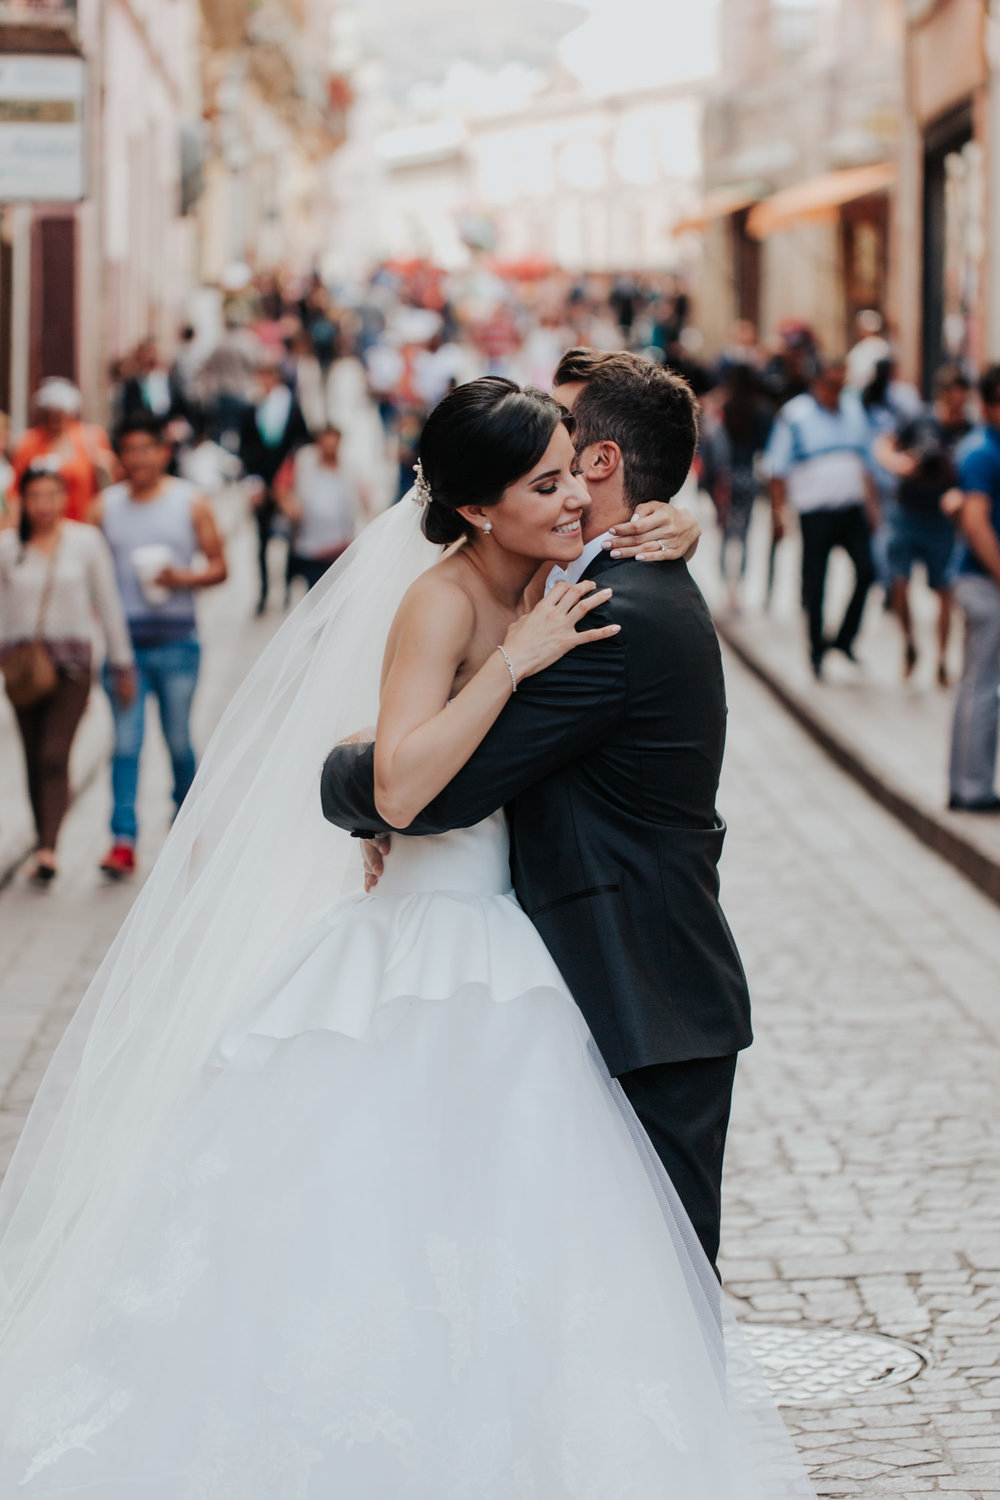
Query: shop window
(864, 236)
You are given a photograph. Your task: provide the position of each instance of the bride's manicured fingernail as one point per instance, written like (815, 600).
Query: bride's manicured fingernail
(616, 554)
(607, 545)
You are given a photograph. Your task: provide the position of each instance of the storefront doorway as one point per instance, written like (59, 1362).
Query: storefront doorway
(953, 242)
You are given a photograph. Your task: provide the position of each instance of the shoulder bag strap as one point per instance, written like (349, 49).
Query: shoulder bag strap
(47, 588)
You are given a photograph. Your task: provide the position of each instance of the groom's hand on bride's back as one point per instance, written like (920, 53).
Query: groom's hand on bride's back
(657, 532)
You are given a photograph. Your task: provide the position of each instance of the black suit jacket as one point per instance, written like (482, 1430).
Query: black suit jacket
(134, 404)
(266, 459)
(608, 763)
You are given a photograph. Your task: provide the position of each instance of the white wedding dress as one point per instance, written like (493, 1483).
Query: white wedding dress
(410, 1244)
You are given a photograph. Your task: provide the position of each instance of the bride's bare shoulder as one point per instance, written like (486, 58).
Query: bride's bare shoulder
(437, 606)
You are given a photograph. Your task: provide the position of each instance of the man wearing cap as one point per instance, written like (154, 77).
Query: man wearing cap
(59, 440)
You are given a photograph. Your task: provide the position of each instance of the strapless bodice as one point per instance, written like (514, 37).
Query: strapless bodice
(473, 861)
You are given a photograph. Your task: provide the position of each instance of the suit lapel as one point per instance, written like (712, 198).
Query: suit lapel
(603, 562)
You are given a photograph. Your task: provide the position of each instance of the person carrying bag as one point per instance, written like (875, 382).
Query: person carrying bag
(56, 575)
(29, 671)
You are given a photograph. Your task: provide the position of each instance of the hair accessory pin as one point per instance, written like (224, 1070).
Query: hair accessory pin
(421, 489)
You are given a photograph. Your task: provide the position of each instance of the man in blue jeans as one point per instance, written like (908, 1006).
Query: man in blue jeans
(977, 710)
(157, 527)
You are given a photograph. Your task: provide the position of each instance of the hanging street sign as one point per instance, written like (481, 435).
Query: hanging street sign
(42, 133)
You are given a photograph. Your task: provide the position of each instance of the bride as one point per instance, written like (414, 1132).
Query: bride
(334, 1197)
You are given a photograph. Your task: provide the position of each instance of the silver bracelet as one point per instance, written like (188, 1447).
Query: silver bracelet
(510, 668)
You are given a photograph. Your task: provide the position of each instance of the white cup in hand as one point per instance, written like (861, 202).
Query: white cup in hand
(149, 562)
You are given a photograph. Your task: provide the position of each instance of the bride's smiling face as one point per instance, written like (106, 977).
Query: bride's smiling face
(540, 515)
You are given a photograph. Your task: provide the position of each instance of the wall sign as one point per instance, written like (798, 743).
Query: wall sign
(42, 136)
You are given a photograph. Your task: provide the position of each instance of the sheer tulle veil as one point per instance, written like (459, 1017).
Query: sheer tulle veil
(247, 866)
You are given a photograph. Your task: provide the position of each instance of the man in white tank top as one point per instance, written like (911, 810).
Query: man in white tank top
(156, 527)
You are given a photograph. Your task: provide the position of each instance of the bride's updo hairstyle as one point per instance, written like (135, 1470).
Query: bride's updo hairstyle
(481, 438)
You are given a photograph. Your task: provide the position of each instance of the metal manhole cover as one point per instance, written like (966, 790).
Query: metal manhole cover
(819, 1366)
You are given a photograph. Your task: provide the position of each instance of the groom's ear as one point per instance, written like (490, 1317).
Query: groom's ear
(600, 461)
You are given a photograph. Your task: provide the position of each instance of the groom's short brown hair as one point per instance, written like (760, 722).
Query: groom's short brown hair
(648, 410)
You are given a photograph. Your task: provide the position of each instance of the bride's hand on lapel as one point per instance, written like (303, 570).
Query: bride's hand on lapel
(657, 532)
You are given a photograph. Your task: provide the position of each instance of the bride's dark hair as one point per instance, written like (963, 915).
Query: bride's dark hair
(478, 440)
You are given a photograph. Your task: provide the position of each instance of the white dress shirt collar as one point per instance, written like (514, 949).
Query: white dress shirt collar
(574, 571)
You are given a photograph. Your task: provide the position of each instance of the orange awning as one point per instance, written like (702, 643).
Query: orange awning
(818, 197)
(720, 204)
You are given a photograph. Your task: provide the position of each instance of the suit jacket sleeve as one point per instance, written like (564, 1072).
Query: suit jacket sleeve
(554, 718)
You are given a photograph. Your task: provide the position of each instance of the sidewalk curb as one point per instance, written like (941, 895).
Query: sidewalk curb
(926, 823)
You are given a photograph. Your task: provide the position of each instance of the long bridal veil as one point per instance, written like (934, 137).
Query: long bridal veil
(248, 865)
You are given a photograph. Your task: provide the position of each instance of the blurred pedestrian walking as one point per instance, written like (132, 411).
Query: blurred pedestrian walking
(888, 403)
(870, 349)
(155, 390)
(60, 440)
(921, 456)
(225, 383)
(733, 440)
(977, 709)
(156, 526)
(271, 431)
(306, 379)
(818, 460)
(324, 503)
(56, 576)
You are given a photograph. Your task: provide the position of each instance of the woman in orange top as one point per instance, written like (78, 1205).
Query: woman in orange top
(60, 441)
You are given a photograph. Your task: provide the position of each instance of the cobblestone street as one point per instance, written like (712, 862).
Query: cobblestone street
(863, 1186)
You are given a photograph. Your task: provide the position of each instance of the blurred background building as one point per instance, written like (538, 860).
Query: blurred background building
(800, 138)
(145, 147)
(792, 160)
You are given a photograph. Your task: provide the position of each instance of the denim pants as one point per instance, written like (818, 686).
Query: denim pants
(170, 673)
(977, 709)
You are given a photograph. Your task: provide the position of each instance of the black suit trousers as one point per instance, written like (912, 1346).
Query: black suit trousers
(684, 1109)
(822, 531)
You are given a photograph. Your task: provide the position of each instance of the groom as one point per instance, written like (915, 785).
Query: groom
(608, 764)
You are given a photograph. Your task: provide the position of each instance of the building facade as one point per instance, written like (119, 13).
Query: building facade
(947, 251)
(580, 181)
(203, 129)
(799, 157)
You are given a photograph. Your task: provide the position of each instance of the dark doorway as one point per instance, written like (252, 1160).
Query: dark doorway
(864, 235)
(746, 269)
(6, 321)
(950, 185)
(53, 300)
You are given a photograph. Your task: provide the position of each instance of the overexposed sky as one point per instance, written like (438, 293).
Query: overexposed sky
(633, 43)
(509, 46)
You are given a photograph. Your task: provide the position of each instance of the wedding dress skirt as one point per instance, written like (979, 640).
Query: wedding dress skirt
(411, 1245)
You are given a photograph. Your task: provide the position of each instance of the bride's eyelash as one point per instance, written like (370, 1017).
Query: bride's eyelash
(547, 490)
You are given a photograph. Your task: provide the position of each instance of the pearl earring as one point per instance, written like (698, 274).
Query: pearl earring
(488, 528)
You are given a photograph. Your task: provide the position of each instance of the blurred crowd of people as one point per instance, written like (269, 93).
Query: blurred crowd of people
(865, 465)
(121, 532)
